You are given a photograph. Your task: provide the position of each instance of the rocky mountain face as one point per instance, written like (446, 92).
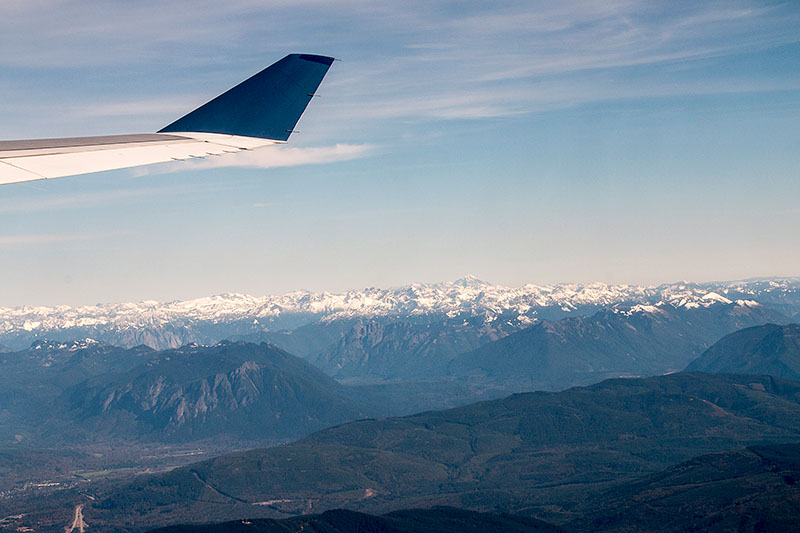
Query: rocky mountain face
(241, 390)
(208, 320)
(62, 393)
(405, 350)
(770, 349)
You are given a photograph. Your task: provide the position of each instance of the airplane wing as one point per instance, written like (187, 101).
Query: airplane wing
(260, 111)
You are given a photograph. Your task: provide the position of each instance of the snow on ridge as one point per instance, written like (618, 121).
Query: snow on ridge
(714, 297)
(467, 296)
(72, 346)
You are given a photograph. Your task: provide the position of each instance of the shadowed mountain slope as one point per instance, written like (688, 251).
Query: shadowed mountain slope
(58, 365)
(755, 489)
(770, 349)
(640, 341)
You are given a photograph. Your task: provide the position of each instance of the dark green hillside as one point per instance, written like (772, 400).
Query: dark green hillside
(770, 349)
(531, 452)
(755, 489)
(441, 520)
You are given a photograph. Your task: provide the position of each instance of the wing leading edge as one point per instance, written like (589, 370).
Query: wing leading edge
(260, 111)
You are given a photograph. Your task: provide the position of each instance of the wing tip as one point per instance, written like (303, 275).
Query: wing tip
(267, 105)
(325, 60)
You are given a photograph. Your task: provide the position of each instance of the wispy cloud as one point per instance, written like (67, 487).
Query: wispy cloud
(513, 59)
(284, 156)
(473, 60)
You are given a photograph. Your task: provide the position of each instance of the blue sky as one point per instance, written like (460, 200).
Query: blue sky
(521, 142)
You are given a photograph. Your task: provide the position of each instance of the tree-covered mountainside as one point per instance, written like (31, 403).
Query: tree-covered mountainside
(536, 453)
(751, 489)
(770, 349)
(755, 489)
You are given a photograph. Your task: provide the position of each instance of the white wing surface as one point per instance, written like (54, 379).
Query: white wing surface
(260, 111)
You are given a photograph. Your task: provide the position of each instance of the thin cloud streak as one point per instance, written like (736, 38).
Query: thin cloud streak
(280, 156)
(451, 55)
(558, 58)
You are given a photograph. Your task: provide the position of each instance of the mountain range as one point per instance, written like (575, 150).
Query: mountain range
(210, 319)
(67, 392)
(79, 417)
(637, 340)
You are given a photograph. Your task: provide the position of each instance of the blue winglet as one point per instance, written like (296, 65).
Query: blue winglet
(266, 105)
